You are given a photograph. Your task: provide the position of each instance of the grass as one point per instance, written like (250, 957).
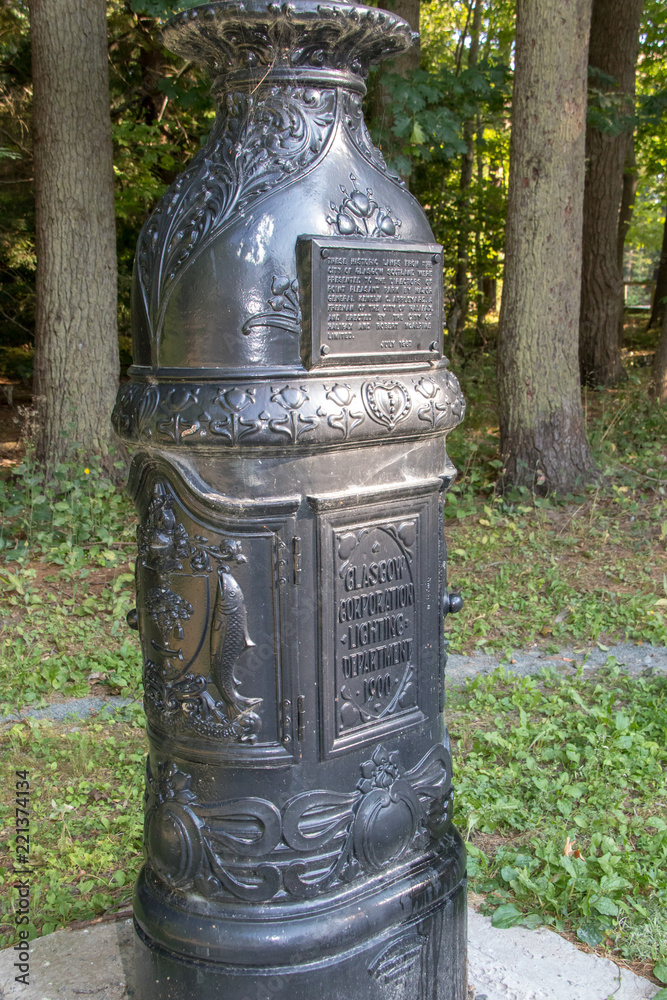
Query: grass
(560, 781)
(561, 794)
(86, 816)
(66, 585)
(574, 569)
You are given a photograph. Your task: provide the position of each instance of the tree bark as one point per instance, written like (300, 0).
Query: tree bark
(76, 345)
(613, 50)
(628, 195)
(459, 312)
(658, 310)
(659, 369)
(542, 434)
(404, 64)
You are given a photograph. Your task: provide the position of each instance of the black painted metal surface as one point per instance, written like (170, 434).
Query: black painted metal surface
(288, 408)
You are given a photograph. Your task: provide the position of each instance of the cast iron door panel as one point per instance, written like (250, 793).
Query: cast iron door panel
(378, 615)
(214, 629)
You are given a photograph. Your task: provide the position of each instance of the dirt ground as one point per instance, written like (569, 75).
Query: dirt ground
(15, 399)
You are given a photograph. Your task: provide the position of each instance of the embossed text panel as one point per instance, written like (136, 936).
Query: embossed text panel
(378, 620)
(379, 300)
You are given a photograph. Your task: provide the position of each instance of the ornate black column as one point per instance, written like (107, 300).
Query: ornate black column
(288, 408)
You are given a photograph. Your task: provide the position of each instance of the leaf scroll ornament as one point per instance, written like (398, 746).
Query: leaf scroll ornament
(256, 145)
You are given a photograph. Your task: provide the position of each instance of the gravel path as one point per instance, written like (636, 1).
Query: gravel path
(634, 660)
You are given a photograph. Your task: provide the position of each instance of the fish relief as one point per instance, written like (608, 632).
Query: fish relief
(175, 696)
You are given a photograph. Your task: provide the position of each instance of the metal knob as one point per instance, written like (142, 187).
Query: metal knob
(132, 619)
(452, 603)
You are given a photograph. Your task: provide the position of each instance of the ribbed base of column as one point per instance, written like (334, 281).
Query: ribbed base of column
(404, 939)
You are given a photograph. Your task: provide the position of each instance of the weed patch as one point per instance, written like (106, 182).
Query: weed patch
(86, 817)
(563, 569)
(66, 585)
(561, 792)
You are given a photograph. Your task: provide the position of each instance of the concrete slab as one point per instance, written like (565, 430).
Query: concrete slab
(516, 964)
(95, 963)
(520, 964)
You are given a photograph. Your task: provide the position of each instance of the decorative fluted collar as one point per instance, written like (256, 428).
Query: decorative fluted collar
(255, 40)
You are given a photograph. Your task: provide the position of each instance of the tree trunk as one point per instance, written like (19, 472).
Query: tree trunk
(152, 63)
(659, 369)
(629, 193)
(658, 310)
(76, 345)
(628, 196)
(542, 434)
(404, 64)
(613, 50)
(459, 312)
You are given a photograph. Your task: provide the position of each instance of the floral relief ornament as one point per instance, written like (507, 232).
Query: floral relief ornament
(433, 412)
(284, 312)
(255, 146)
(360, 215)
(259, 415)
(294, 425)
(346, 419)
(231, 425)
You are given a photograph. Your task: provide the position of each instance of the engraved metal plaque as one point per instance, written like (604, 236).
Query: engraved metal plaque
(377, 616)
(359, 301)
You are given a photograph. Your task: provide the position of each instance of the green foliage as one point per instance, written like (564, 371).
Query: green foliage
(17, 216)
(160, 108)
(425, 139)
(569, 775)
(66, 585)
(644, 238)
(74, 517)
(86, 816)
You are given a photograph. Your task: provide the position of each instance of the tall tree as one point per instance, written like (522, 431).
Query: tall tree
(459, 312)
(380, 98)
(614, 45)
(542, 434)
(628, 195)
(659, 370)
(76, 347)
(658, 310)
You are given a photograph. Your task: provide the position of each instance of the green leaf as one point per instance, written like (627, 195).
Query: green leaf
(532, 921)
(418, 135)
(606, 906)
(590, 933)
(610, 883)
(660, 972)
(568, 864)
(660, 995)
(506, 916)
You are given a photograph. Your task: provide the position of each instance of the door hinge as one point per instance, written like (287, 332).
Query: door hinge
(300, 717)
(296, 559)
